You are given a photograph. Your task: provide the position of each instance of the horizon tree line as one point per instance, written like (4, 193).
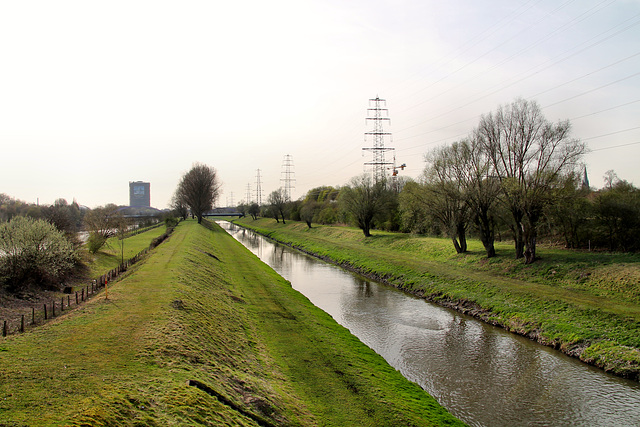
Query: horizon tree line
(516, 174)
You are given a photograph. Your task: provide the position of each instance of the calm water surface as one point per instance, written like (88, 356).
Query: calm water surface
(480, 373)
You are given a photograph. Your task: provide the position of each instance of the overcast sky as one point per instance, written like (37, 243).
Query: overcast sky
(96, 94)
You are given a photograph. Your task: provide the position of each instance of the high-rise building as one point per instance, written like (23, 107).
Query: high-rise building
(139, 194)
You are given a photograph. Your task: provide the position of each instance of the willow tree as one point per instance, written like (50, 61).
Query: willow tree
(364, 200)
(529, 155)
(199, 189)
(443, 193)
(278, 201)
(464, 171)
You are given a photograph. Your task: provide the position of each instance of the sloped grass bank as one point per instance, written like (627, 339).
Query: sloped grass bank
(112, 253)
(584, 304)
(203, 333)
(12, 307)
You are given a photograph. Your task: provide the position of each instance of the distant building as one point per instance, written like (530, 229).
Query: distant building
(139, 194)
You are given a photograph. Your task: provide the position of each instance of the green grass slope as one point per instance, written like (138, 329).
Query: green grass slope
(585, 304)
(202, 333)
(112, 253)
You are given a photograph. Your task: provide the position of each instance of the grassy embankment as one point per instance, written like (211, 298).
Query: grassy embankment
(111, 254)
(94, 265)
(585, 304)
(201, 310)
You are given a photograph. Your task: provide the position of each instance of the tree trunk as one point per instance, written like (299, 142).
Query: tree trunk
(199, 219)
(462, 237)
(456, 244)
(518, 234)
(308, 224)
(487, 234)
(530, 252)
(531, 236)
(366, 228)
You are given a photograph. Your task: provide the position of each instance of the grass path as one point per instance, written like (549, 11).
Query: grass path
(202, 310)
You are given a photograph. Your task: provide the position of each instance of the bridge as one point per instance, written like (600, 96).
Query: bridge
(217, 213)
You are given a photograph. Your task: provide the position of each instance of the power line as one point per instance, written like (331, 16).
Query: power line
(592, 90)
(530, 74)
(605, 110)
(616, 146)
(610, 133)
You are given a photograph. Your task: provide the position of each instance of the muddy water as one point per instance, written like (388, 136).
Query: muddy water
(480, 373)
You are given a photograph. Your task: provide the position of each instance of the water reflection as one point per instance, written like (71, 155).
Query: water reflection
(480, 373)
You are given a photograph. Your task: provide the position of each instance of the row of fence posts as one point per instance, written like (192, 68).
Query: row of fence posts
(49, 311)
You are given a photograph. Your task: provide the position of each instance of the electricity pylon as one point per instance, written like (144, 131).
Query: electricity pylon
(248, 196)
(287, 174)
(378, 115)
(258, 188)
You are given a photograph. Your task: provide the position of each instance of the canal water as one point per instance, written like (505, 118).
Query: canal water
(480, 373)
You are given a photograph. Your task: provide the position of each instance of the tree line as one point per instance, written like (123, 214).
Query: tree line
(515, 176)
(41, 247)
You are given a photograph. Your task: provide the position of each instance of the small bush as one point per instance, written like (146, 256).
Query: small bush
(33, 252)
(171, 221)
(95, 242)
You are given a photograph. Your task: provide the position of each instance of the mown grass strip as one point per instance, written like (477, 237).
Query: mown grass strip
(203, 310)
(562, 300)
(110, 255)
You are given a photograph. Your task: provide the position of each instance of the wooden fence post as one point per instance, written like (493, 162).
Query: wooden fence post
(82, 294)
(45, 311)
(53, 309)
(62, 304)
(76, 297)
(4, 329)
(33, 315)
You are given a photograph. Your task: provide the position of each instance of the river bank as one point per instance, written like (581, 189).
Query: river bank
(583, 304)
(202, 333)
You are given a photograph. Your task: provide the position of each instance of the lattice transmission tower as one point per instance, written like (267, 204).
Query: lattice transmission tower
(247, 198)
(379, 115)
(258, 188)
(287, 176)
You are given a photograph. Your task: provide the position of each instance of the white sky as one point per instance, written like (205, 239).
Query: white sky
(96, 94)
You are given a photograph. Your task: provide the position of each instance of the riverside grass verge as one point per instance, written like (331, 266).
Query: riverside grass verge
(93, 266)
(203, 333)
(585, 304)
(111, 254)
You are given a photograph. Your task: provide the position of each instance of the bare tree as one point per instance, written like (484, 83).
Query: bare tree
(254, 210)
(178, 205)
(364, 200)
(529, 154)
(101, 223)
(199, 189)
(102, 220)
(474, 169)
(308, 211)
(278, 200)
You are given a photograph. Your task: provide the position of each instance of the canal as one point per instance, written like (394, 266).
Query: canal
(480, 373)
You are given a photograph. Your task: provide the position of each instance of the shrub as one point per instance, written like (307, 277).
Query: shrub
(171, 221)
(95, 242)
(33, 252)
